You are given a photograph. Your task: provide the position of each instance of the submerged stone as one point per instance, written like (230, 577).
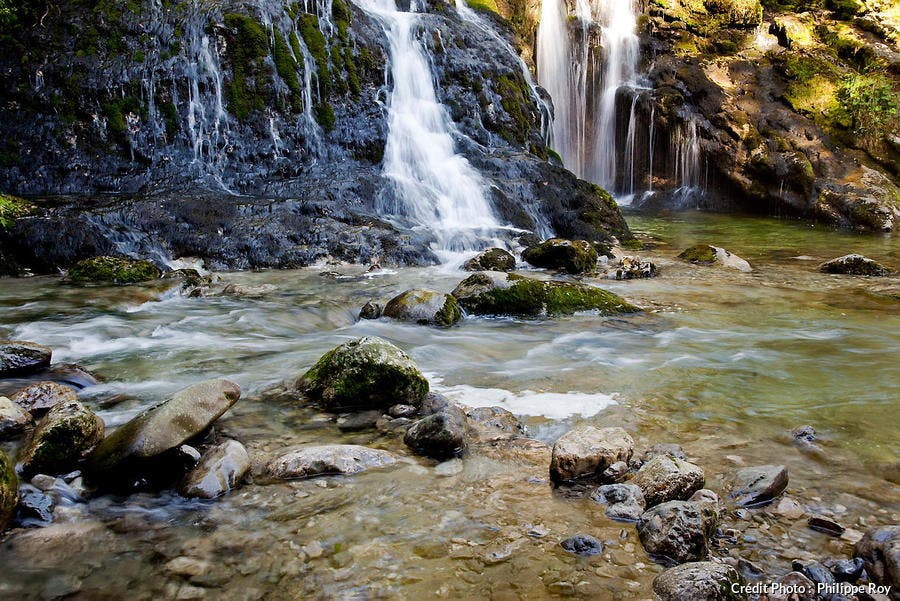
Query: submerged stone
(441, 435)
(425, 307)
(114, 270)
(758, 485)
(854, 265)
(20, 358)
(571, 256)
(704, 254)
(582, 544)
(335, 459)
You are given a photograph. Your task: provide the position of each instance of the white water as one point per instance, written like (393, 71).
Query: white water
(686, 150)
(435, 187)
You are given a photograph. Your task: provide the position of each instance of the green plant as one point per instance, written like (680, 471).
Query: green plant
(871, 101)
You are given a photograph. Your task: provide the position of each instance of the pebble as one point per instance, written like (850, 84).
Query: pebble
(825, 525)
(789, 508)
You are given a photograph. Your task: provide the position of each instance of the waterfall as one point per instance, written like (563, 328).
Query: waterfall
(434, 187)
(686, 150)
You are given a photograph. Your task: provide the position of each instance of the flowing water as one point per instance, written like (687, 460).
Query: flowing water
(723, 363)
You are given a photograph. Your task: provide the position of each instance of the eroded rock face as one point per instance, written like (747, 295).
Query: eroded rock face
(366, 373)
(494, 293)
(337, 459)
(854, 265)
(698, 581)
(678, 531)
(9, 490)
(65, 436)
(880, 551)
(585, 452)
(758, 485)
(425, 307)
(20, 358)
(492, 259)
(571, 256)
(220, 470)
(39, 398)
(164, 427)
(665, 478)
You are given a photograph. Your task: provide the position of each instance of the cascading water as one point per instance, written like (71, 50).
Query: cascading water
(686, 151)
(434, 187)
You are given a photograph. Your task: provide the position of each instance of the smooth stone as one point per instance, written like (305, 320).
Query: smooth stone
(825, 525)
(666, 478)
(13, 419)
(440, 436)
(39, 398)
(9, 490)
(854, 264)
(492, 259)
(61, 439)
(678, 531)
(758, 485)
(625, 501)
(491, 423)
(704, 254)
(699, 581)
(371, 310)
(814, 571)
(582, 544)
(20, 358)
(220, 470)
(337, 459)
(167, 426)
(879, 549)
(366, 373)
(35, 504)
(433, 402)
(402, 411)
(571, 256)
(361, 420)
(789, 508)
(425, 307)
(587, 451)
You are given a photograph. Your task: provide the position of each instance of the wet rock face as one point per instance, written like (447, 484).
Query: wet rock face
(678, 531)
(65, 436)
(20, 358)
(327, 460)
(758, 485)
(587, 451)
(13, 419)
(666, 478)
(220, 469)
(39, 398)
(9, 490)
(571, 256)
(366, 373)
(698, 581)
(880, 551)
(492, 259)
(425, 307)
(854, 265)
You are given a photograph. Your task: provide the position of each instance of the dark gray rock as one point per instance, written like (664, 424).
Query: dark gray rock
(845, 570)
(699, 581)
(666, 478)
(625, 501)
(879, 550)
(361, 420)
(220, 470)
(35, 504)
(678, 531)
(758, 485)
(325, 460)
(440, 436)
(571, 256)
(371, 310)
(20, 358)
(433, 402)
(404, 410)
(854, 265)
(63, 437)
(40, 397)
(582, 544)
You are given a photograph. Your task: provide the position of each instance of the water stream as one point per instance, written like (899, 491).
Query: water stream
(723, 363)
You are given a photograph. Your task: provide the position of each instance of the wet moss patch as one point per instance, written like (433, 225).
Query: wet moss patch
(115, 270)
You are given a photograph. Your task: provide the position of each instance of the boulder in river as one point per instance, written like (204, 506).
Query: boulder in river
(854, 265)
(9, 490)
(63, 437)
(425, 307)
(40, 397)
(440, 436)
(704, 254)
(13, 419)
(20, 358)
(492, 259)
(879, 549)
(586, 451)
(366, 373)
(666, 478)
(678, 531)
(221, 469)
(495, 293)
(699, 581)
(325, 460)
(758, 485)
(113, 270)
(633, 268)
(571, 256)
(164, 427)
(582, 544)
(371, 310)
(625, 502)
(492, 423)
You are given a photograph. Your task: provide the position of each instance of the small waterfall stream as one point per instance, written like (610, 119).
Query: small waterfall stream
(435, 187)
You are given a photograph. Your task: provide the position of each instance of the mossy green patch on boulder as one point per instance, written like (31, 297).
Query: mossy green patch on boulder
(9, 490)
(571, 256)
(425, 307)
(736, 13)
(366, 373)
(699, 253)
(61, 440)
(495, 293)
(11, 208)
(115, 270)
(854, 265)
(492, 259)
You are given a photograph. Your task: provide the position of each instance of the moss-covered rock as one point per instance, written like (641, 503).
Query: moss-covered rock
(11, 208)
(425, 307)
(115, 270)
(495, 293)
(366, 373)
(571, 256)
(854, 265)
(9, 490)
(704, 254)
(492, 259)
(65, 436)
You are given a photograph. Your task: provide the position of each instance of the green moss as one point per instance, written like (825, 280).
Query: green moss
(61, 439)
(514, 97)
(13, 207)
(117, 109)
(295, 45)
(286, 67)
(812, 87)
(845, 9)
(170, 118)
(572, 256)
(484, 6)
(318, 48)
(699, 253)
(352, 73)
(117, 270)
(325, 115)
(341, 16)
(9, 490)
(248, 43)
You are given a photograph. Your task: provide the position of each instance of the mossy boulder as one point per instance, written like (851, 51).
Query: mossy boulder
(425, 307)
(20, 358)
(113, 270)
(162, 428)
(495, 293)
(9, 490)
(492, 259)
(704, 254)
(65, 436)
(11, 208)
(736, 13)
(366, 373)
(571, 256)
(854, 265)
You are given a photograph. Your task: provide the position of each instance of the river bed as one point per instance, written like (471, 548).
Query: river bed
(721, 362)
